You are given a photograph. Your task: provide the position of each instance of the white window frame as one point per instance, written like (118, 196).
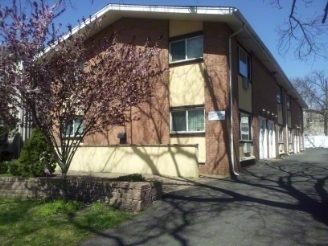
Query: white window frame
(186, 115)
(250, 135)
(186, 49)
(73, 133)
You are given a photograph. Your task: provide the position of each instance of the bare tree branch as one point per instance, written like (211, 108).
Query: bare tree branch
(304, 33)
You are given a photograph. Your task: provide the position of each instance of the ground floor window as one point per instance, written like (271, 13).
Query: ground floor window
(245, 127)
(280, 134)
(191, 120)
(74, 128)
(290, 137)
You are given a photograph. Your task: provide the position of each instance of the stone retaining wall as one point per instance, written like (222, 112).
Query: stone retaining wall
(133, 196)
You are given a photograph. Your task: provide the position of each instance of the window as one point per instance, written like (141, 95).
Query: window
(188, 121)
(244, 64)
(280, 134)
(186, 49)
(74, 128)
(288, 102)
(290, 138)
(279, 95)
(245, 127)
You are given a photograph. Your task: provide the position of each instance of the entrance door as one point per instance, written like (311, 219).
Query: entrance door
(263, 142)
(272, 139)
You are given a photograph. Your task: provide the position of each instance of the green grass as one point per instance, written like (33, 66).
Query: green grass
(25, 222)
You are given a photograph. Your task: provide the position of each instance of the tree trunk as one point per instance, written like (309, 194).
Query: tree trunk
(64, 184)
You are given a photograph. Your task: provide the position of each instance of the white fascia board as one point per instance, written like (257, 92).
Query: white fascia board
(125, 9)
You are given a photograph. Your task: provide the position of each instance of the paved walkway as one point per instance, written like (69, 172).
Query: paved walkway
(279, 203)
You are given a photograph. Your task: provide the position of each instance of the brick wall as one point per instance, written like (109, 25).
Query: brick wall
(216, 51)
(133, 196)
(296, 113)
(264, 97)
(153, 125)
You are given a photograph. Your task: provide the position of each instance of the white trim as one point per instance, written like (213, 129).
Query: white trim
(186, 115)
(186, 50)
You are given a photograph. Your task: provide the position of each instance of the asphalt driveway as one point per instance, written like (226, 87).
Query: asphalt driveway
(281, 202)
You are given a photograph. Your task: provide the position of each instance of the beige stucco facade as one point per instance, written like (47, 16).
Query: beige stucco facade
(200, 141)
(187, 85)
(181, 27)
(170, 160)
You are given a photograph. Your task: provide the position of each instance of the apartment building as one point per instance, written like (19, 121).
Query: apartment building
(223, 95)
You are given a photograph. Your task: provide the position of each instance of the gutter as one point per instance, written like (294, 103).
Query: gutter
(231, 104)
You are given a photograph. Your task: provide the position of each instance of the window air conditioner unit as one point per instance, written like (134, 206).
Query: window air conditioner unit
(247, 148)
(245, 83)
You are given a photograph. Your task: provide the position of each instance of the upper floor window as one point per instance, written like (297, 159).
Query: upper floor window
(278, 94)
(244, 63)
(245, 127)
(188, 120)
(288, 102)
(186, 49)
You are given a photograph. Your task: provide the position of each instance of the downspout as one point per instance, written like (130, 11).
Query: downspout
(287, 129)
(231, 102)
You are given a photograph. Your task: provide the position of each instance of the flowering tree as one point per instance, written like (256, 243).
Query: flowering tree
(72, 85)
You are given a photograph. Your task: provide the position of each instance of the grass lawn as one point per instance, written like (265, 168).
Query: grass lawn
(25, 222)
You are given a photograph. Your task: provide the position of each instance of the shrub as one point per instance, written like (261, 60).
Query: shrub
(12, 167)
(135, 177)
(3, 167)
(35, 155)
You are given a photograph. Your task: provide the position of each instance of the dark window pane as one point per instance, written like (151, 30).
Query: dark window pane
(196, 120)
(178, 51)
(69, 129)
(195, 47)
(78, 127)
(179, 121)
(243, 69)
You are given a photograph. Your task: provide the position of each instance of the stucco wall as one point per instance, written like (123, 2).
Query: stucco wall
(189, 139)
(187, 85)
(171, 160)
(181, 27)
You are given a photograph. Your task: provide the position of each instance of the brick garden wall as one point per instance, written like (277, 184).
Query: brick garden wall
(133, 196)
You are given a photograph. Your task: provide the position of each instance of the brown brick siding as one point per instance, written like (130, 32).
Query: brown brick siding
(264, 97)
(296, 112)
(216, 51)
(153, 125)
